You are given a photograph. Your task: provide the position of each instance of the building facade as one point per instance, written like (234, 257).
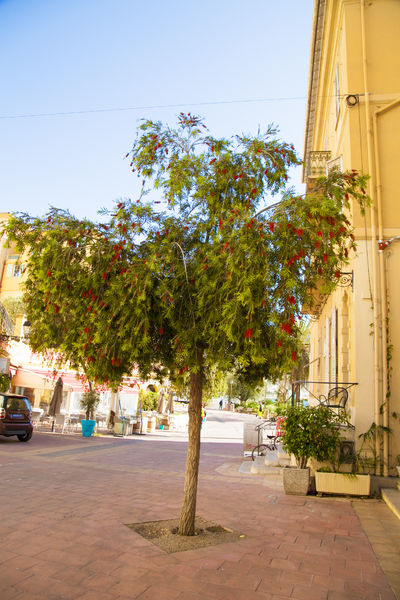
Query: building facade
(353, 122)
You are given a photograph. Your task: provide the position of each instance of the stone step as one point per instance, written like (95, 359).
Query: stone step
(392, 499)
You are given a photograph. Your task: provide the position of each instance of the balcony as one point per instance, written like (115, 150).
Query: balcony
(317, 163)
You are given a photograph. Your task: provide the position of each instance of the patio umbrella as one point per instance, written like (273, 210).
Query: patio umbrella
(56, 399)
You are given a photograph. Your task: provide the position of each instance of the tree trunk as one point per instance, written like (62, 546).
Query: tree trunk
(188, 512)
(161, 401)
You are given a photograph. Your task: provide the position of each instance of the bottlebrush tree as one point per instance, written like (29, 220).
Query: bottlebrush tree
(207, 274)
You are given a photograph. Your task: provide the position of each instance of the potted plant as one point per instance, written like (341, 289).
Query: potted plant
(89, 403)
(308, 432)
(357, 482)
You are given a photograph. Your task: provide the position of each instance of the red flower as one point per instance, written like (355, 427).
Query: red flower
(212, 161)
(272, 227)
(325, 257)
(254, 191)
(331, 234)
(280, 343)
(48, 273)
(337, 274)
(221, 224)
(160, 331)
(300, 232)
(317, 244)
(319, 232)
(248, 333)
(291, 299)
(294, 356)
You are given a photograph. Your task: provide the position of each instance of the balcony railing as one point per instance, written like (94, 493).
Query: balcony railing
(336, 392)
(317, 163)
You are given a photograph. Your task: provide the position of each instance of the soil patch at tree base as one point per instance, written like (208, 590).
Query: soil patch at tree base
(164, 534)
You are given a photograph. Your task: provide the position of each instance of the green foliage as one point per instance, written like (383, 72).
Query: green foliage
(311, 433)
(366, 459)
(250, 405)
(241, 390)
(89, 403)
(4, 382)
(211, 277)
(278, 408)
(14, 307)
(148, 400)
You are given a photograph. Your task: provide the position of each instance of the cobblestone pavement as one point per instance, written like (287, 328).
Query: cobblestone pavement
(66, 500)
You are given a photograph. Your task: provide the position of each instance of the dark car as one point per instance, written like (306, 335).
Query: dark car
(15, 417)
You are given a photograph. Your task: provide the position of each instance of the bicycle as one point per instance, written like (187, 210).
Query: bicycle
(273, 440)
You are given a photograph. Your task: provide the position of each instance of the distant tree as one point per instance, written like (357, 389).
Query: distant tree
(207, 275)
(14, 308)
(241, 390)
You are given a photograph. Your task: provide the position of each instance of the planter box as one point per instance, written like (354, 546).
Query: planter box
(88, 426)
(342, 483)
(296, 481)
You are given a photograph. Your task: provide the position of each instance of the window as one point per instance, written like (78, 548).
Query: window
(13, 403)
(15, 270)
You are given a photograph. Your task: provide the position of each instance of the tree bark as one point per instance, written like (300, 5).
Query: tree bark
(188, 512)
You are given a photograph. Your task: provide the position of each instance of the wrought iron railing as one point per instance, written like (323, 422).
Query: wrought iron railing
(320, 398)
(317, 163)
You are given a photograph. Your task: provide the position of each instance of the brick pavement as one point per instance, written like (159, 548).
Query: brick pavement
(65, 500)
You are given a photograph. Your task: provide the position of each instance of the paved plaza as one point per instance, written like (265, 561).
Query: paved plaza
(66, 500)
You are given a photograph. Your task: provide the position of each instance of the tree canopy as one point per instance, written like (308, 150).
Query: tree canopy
(207, 270)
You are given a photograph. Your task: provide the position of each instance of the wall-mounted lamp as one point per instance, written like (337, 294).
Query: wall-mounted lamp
(352, 100)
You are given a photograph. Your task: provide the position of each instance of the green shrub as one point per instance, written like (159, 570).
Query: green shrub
(148, 400)
(311, 433)
(89, 403)
(4, 383)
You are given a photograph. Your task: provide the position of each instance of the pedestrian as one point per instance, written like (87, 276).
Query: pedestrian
(203, 415)
(220, 404)
(260, 410)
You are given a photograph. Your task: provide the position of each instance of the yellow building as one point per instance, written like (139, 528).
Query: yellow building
(353, 122)
(11, 273)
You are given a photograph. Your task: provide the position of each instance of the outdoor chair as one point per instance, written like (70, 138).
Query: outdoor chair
(59, 421)
(35, 418)
(337, 398)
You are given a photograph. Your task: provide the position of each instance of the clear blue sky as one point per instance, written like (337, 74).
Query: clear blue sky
(82, 55)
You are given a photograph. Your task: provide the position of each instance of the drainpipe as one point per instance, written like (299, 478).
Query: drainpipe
(383, 291)
(374, 240)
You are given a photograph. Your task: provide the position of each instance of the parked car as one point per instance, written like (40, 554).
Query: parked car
(15, 417)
